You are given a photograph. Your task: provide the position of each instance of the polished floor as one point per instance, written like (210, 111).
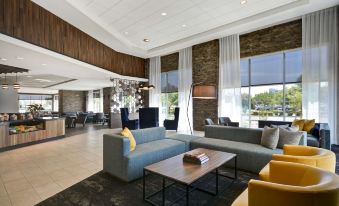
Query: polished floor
(31, 174)
(34, 173)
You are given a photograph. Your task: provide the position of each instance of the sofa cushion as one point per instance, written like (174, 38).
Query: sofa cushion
(151, 152)
(184, 138)
(150, 134)
(250, 157)
(238, 134)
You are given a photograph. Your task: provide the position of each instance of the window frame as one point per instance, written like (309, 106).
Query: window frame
(284, 83)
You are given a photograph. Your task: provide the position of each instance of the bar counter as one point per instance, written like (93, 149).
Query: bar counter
(48, 128)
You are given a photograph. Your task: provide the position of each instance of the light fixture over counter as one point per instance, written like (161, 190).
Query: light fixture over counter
(5, 69)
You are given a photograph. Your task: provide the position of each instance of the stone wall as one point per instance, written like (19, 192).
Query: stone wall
(276, 38)
(107, 99)
(170, 62)
(205, 65)
(72, 101)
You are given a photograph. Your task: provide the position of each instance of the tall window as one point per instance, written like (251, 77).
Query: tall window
(27, 99)
(169, 94)
(96, 101)
(271, 87)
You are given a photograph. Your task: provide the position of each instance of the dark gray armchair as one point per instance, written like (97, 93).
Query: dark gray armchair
(209, 121)
(226, 121)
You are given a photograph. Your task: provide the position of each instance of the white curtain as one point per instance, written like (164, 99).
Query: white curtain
(89, 105)
(155, 80)
(320, 68)
(229, 100)
(184, 86)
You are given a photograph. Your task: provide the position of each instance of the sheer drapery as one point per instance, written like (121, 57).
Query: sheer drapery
(320, 68)
(155, 80)
(184, 86)
(229, 101)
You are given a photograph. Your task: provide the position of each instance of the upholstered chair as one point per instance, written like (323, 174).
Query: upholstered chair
(312, 156)
(292, 184)
(209, 121)
(226, 121)
(126, 122)
(172, 124)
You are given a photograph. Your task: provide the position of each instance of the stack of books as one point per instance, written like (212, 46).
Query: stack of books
(196, 158)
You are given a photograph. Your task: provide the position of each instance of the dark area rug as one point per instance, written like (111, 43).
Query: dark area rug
(103, 189)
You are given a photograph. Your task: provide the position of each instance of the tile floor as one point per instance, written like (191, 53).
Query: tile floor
(31, 174)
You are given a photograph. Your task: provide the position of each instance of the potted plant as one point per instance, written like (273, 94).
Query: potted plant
(35, 109)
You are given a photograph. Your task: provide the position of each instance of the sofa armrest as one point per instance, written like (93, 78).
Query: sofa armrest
(325, 136)
(115, 148)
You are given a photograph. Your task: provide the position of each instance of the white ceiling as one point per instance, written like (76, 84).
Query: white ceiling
(109, 20)
(47, 68)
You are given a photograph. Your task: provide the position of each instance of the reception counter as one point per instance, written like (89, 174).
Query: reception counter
(25, 132)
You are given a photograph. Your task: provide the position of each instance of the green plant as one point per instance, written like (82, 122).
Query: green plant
(33, 108)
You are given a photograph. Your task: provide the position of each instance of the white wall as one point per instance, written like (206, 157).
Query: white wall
(9, 102)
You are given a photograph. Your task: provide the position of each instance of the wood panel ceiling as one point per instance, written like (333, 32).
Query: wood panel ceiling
(23, 19)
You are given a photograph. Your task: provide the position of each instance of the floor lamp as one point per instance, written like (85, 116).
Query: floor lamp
(200, 91)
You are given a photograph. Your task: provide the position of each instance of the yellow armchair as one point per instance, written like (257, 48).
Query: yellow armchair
(292, 184)
(312, 156)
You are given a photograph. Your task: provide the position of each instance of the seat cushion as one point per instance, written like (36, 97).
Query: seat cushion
(250, 157)
(242, 199)
(151, 152)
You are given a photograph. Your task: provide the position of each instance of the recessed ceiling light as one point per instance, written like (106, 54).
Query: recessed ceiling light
(3, 59)
(126, 32)
(19, 58)
(29, 76)
(184, 25)
(146, 40)
(163, 14)
(44, 64)
(243, 1)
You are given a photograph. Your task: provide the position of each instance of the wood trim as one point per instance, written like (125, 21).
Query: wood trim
(27, 21)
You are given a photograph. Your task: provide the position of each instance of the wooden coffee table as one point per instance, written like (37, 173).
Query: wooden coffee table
(184, 173)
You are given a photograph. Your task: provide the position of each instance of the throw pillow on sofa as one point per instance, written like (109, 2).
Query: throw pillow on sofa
(300, 123)
(288, 137)
(270, 137)
(128, 134)
(308, 126)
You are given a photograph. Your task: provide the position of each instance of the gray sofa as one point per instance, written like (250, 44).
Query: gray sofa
(244, 142)
(152, 146)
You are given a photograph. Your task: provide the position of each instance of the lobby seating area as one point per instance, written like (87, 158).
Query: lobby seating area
(181, 102)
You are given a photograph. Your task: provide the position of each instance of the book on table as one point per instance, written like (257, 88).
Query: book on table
(196, 158)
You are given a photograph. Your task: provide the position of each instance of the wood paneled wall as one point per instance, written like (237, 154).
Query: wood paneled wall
(25, 20)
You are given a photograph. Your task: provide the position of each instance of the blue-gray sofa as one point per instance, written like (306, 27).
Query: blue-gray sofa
(152, 146)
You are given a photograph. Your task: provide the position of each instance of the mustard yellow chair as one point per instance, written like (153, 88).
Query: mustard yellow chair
(312, 156)
(292, 184)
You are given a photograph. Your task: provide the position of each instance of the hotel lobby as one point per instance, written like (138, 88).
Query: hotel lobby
(182, 102)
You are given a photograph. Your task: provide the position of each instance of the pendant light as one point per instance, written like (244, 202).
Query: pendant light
(5, 85)
(16, 85)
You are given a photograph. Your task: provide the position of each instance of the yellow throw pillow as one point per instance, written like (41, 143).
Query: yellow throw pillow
(127, 133)
(308, 126)
(300, 123)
